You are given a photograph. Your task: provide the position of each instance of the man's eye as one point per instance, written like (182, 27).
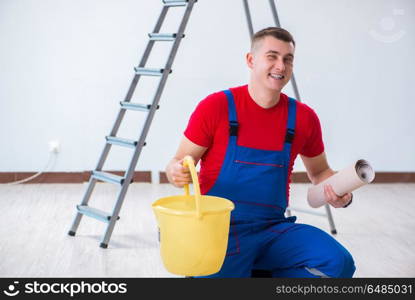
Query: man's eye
(272, 57)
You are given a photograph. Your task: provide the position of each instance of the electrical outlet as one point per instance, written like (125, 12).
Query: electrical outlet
(54, 146)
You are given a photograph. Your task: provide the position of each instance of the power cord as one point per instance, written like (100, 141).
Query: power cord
(49, 164)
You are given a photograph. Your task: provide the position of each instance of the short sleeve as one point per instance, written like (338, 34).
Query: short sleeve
(314, 143)
(204, 120)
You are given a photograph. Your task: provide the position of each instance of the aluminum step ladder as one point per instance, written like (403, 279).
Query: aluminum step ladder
(274, 12)
(113, 140)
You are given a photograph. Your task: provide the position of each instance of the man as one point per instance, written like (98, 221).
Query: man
(247, 139)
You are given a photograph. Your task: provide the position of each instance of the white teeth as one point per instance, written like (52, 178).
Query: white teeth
(276, 76)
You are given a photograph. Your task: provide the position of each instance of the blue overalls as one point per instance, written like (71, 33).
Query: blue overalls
(260, 236)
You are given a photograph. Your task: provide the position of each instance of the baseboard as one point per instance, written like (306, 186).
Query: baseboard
(145, 176)
(66, 177)
(381, 177)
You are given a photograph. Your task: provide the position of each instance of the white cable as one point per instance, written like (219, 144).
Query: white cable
(52, 159)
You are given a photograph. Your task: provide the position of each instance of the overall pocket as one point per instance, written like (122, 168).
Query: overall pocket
(258, 163)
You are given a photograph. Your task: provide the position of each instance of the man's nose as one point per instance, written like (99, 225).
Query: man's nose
(279, 65)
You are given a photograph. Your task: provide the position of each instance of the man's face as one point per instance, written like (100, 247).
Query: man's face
(271, 63)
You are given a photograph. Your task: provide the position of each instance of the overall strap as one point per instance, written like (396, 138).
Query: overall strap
(292, 113)
(233, 121)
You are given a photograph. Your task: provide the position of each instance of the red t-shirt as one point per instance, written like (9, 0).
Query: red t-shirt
(259, 128)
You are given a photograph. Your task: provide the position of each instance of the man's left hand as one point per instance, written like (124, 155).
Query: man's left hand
(334, 200)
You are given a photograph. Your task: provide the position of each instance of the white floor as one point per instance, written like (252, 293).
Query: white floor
(378, 229)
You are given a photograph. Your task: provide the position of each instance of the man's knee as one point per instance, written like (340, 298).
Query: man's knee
(342, 264)
(339, 264)
(348, 266)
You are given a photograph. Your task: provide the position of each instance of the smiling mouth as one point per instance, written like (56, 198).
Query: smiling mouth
(277, 76)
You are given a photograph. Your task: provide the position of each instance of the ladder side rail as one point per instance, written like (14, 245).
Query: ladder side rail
(104, 154)
(248, 18)
(160, 88)
(146, 53)
(278, 24)
(137, 152)
(297, 96)
(131, 90)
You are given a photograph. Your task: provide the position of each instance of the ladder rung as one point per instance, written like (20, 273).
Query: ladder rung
(121, 142)
(94, 213)
(107, 177)
(149, 72)
(136, 106)
(163, 36)
(175, 2)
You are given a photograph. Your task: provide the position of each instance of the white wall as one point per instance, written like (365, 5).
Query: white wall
(65, 65)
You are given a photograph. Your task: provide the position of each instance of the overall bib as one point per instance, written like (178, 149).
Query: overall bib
(260, 235)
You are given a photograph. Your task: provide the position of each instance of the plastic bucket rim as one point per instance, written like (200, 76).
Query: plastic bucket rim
(192, 213)
(227, 206)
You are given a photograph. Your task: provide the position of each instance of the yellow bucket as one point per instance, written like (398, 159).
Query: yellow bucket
(193, 230)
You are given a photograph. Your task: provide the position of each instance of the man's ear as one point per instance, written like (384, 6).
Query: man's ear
(249, 60)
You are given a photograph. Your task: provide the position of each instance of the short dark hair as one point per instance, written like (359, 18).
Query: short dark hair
(276, 32)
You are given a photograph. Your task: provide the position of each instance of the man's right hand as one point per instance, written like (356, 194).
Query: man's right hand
(178, 175)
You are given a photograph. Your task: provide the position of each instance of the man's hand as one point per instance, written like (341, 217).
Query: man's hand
(335, 200)
(175, 172)
(318, 170)
(180, 176)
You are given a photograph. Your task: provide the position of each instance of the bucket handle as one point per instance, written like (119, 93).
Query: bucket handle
(190, 163)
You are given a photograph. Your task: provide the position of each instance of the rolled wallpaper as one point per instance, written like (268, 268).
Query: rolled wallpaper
(344, 181)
